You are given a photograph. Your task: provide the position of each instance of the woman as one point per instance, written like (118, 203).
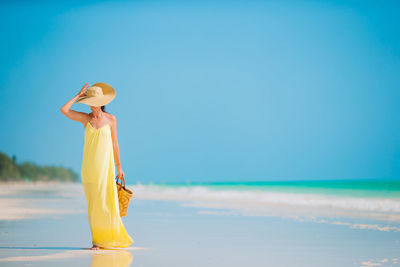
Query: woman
(98, 171)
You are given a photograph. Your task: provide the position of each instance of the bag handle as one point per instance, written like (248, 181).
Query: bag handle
(116, 179)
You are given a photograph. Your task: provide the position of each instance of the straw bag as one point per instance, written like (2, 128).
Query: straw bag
(124, 196)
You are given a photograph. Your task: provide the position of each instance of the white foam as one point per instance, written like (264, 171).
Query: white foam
(386, 205)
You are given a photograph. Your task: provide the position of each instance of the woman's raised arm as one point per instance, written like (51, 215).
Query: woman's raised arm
(72, 114)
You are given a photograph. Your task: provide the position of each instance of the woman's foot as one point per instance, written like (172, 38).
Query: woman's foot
(95, 247)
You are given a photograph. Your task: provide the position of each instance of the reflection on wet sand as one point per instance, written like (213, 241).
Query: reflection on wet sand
(111, 258)
(101, 257)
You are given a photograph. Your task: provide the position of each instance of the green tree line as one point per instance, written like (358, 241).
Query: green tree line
(10, 170)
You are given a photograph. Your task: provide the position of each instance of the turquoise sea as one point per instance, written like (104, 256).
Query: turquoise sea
(360, 188)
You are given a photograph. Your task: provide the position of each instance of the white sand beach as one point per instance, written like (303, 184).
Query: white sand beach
(43, 224)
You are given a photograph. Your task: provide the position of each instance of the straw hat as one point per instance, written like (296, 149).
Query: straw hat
(99, 94)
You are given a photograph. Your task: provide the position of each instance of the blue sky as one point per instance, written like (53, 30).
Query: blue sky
(209, 90)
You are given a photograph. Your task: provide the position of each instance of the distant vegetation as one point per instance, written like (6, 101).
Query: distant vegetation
(10, 170)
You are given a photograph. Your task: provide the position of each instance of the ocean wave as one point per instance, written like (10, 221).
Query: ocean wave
(203, 193)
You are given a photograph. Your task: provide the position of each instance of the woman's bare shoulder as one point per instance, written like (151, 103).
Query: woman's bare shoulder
(86, 117)
(111, 117)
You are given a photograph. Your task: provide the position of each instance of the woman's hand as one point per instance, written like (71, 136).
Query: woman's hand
(121, 175)
(82, 91)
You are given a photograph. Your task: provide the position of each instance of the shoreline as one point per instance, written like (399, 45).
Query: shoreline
(25, 200)
(45, 224)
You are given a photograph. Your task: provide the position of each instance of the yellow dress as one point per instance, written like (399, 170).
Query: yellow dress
(98, 179)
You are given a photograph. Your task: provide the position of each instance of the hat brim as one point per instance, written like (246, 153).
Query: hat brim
(97, 101)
